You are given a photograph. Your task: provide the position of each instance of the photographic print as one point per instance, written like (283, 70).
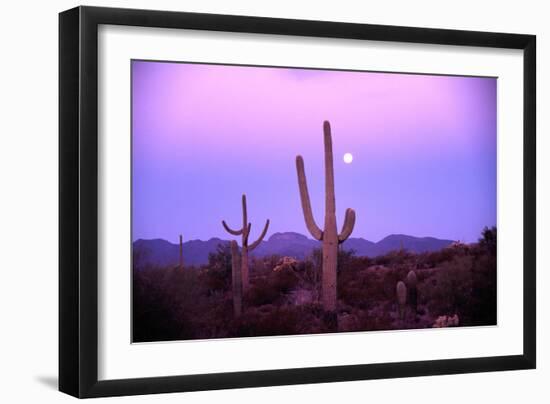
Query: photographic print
(273, 201)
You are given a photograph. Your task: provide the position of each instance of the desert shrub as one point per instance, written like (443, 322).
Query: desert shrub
(435, 258)
(372, 282)
(316, 258)
(154, 313)
(352, 291)
(284, 280)
(262, 292)
(273, 321)
(393, 258)
(453, 286)
(345, 260)
(483, 308)
(359, 288)
(375, 320)
(387, 288)
(359, 263)
(308, 273)
(217, 274)
(213, 318)
(272, 287)
(488, 239)
(285, 319)
(264, 265)
(383, 260)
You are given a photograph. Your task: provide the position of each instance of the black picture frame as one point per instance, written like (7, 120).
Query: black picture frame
(78, 201)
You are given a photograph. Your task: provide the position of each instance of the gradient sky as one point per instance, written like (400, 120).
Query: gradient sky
(424, 150)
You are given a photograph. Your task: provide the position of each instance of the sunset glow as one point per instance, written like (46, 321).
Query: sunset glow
(203, 135)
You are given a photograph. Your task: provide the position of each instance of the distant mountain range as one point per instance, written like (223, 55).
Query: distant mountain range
(159, 252)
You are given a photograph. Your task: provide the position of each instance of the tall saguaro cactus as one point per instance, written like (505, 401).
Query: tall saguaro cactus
(401, 292)
(244, 231)
(329, 235)
(236, 279)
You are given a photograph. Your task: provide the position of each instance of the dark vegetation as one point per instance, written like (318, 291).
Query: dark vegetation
(283, 298)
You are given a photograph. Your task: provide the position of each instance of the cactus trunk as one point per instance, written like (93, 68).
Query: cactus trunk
(330, 263)
(329, 235)
(236, 280)
(401, 292)
(244, 267)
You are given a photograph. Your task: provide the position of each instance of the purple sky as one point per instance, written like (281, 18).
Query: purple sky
(424, 150)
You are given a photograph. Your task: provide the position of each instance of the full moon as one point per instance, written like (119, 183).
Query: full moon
(348, 158)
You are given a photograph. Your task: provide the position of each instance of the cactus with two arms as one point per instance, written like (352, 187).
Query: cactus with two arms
(244, 232)
(329, 236)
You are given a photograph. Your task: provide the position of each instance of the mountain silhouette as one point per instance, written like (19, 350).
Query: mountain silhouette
(161, 253)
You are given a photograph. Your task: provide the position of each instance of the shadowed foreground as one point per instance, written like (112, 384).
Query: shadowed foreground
(452, 287)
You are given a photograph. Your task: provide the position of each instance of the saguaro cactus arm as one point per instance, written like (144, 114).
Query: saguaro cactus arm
(347, 228)
(245, 230)
(259, 240)
(314, 230)
(230, 230)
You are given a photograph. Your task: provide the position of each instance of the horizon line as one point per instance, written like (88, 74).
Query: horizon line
(312, 239)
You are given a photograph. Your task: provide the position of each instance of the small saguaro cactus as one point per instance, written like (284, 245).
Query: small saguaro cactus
(412, 288)
(181, 253)
(244, 231)
(401, 291)
(329, 235)
(236, 279)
